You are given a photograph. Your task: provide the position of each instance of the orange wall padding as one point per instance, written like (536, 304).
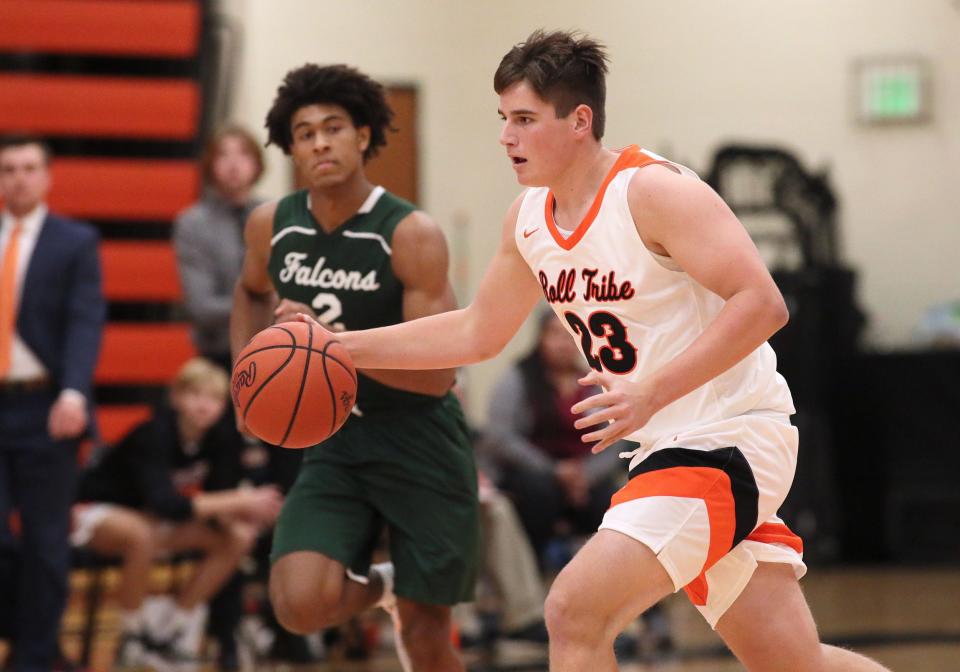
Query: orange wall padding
(163, 28)
(146, 354)
(114, 422)
(139, 271)
(108, 107)
(123, 188)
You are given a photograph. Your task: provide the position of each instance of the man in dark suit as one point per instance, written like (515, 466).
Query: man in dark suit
(51, 317)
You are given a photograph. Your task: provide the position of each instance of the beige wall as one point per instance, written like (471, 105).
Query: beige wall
(686, 76)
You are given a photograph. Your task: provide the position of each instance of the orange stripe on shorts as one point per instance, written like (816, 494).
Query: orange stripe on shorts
(706, 483)
(767, 533)
(777, 533)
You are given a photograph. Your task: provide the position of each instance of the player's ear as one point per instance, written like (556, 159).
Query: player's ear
(363, 138)
(582, 118)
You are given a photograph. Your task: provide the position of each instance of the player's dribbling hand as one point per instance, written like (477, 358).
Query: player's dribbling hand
(623, 406)
(287, 311)
(309, 318)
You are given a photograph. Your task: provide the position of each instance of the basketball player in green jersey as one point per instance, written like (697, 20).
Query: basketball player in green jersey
(356, 256)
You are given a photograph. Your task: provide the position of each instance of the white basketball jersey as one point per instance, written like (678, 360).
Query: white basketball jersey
(632, 311)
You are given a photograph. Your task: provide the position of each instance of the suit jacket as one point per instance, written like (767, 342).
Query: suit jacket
(62, 309)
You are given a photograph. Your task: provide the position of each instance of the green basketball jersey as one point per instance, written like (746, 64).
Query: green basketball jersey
(346, 276)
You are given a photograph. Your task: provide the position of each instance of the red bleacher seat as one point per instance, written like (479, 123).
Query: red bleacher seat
(165, 28)
(115, 421)
(123, 188)
(109, 107)
(142, 354)
(139, 271)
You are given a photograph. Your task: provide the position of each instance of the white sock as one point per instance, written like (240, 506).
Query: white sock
(386, 572)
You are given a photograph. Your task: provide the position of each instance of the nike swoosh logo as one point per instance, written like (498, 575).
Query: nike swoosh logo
(527, 234)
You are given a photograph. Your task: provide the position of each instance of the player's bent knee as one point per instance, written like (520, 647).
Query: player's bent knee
(304, 611)
(301, 615)
(564, 617)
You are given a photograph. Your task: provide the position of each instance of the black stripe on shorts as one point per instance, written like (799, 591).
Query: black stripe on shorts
(731, 461)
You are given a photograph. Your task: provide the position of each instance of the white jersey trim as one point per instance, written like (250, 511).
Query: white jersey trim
(371, 201)
(291, 229)
(370, 236)
(364, 209)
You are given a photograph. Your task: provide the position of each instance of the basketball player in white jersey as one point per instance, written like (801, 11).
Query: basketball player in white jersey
(666, 294)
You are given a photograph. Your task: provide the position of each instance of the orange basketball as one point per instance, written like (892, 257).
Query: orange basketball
(293, 385)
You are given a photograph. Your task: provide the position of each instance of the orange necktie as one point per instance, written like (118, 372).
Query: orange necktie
(8, 296)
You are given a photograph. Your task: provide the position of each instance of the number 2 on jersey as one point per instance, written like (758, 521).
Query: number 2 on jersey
(328, 308)
(618, 355)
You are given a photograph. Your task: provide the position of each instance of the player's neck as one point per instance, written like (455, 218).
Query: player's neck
(333, 206)
(576, 188)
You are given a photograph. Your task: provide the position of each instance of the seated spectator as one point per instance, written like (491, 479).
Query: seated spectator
(532, 448)
(169, 487)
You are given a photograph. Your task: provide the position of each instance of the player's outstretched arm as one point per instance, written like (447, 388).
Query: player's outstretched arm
(253, 296)
(507, 294)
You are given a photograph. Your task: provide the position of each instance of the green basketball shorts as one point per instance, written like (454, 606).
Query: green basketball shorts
(411, 471)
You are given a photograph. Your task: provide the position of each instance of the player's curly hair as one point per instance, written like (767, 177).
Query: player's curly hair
(311, 84)
(564, 68)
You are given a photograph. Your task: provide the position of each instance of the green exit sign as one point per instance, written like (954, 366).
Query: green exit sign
(893, 90)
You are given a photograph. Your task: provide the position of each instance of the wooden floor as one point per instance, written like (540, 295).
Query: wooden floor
(908, 619)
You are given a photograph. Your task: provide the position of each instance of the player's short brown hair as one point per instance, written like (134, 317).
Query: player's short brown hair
(564, 68)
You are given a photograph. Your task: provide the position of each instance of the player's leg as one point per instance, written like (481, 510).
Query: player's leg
(843, 659)
(310, 591)
(326, 526)
(427, 634)
(607, 584)
(769, 627)
(425, 486)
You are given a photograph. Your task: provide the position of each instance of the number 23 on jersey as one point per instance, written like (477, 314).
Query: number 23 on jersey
(615, 352)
